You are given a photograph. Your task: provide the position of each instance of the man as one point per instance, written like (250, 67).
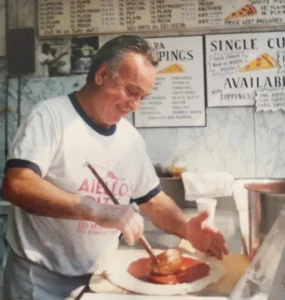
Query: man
(62, 226)
(49, 61)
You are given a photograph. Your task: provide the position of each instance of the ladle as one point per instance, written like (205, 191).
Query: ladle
(167, 262)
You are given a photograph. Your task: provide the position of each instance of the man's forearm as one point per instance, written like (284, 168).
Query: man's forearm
(56, 59)
(29, 191)
(166, 215)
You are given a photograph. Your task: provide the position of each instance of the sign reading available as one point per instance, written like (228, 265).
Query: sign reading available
(246, 69)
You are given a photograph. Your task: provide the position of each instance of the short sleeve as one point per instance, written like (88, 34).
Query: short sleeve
(42, 58)
(148, 184)
(34, 145)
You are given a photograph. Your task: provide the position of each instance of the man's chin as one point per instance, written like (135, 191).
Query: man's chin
(123, 114)
(116, 120)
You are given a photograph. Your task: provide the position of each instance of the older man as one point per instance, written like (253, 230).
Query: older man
(62, 225)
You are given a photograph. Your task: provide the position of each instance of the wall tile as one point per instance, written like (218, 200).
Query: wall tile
(225, 144)
(38, 89)
(270, 144)
(27, 17)
(235, 139)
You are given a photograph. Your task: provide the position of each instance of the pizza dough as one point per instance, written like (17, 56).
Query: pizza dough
(117, 273)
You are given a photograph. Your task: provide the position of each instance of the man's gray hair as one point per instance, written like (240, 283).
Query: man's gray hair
(113, 51)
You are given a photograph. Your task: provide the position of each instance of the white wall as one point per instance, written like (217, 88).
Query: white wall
(236, 139)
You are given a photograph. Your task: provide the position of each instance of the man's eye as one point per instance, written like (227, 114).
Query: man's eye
(131, 92)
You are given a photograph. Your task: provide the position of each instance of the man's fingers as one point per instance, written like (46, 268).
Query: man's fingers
(133, 228)
(128, 236)
(137, 227)
(221, 246)
(220, 237)
(215, 251)
(202, 216)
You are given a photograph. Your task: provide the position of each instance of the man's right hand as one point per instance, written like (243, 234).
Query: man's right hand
(122, 217)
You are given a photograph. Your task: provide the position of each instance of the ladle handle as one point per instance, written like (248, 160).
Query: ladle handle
(148, 248)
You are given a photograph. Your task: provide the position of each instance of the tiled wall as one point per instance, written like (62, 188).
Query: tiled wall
(236, 139)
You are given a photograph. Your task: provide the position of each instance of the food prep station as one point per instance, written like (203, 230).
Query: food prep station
(247, 277)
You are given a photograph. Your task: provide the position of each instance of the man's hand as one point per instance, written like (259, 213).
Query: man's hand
(205, 237)
(121, 217)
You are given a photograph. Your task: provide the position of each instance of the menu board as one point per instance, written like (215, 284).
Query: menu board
(2, 29)
(178, 97)
(246, 69)
(70, 17)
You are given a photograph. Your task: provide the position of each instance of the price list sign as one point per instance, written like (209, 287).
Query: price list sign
(71, 17)
(178, 97)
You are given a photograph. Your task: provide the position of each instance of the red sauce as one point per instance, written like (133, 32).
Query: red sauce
(191, 270)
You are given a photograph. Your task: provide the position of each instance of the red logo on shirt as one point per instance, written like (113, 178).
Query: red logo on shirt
(91, 187)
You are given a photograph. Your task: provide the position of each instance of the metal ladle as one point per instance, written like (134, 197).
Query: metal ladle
(169, 263)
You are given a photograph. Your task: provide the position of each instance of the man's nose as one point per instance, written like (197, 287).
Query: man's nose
(133, 104)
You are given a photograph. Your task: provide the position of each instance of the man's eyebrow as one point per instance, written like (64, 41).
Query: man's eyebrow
(137, 87)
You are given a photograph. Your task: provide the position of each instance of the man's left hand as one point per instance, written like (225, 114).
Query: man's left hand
(205, 237)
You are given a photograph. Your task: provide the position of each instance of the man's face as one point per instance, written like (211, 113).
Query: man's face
(122, 92)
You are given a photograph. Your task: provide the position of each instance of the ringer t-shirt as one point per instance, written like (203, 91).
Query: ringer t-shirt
(55, 140)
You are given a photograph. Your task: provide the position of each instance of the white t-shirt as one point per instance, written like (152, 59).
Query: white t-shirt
(55, 140)
(43, 71)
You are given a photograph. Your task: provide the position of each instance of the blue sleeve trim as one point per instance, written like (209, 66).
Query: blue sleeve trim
(148, 196)
(22, 163)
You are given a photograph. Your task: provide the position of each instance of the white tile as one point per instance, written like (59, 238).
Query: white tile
(270, 144)
(225, 144)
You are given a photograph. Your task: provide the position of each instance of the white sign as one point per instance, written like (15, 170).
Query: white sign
(178, 97)
(246, 69)
(70, 17)
(109, 296)
(2, 29)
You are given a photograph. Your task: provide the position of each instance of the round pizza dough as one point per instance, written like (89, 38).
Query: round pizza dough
(117, 274)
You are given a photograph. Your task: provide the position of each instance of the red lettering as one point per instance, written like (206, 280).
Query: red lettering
(114, 187)
(93, 186)
(106, 200)
(99, 189)
(92, 198)
(93, 226)
(84, 186)
(123, 189)
(82, 225)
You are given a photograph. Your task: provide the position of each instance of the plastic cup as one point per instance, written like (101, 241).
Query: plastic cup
(208, 204)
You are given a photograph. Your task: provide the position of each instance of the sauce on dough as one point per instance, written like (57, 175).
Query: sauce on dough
(192, 270)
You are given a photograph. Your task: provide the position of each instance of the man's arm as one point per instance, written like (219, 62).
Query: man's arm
(166, 215)
(56, 59)
(26, 189)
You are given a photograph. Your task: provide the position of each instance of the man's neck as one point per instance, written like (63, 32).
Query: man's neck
(88, 98)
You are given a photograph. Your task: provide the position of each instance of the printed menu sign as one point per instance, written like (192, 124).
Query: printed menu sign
(246, 69)
(70, 17)
(177, 98)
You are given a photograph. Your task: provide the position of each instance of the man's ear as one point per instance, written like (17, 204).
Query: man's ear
(101, 74)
